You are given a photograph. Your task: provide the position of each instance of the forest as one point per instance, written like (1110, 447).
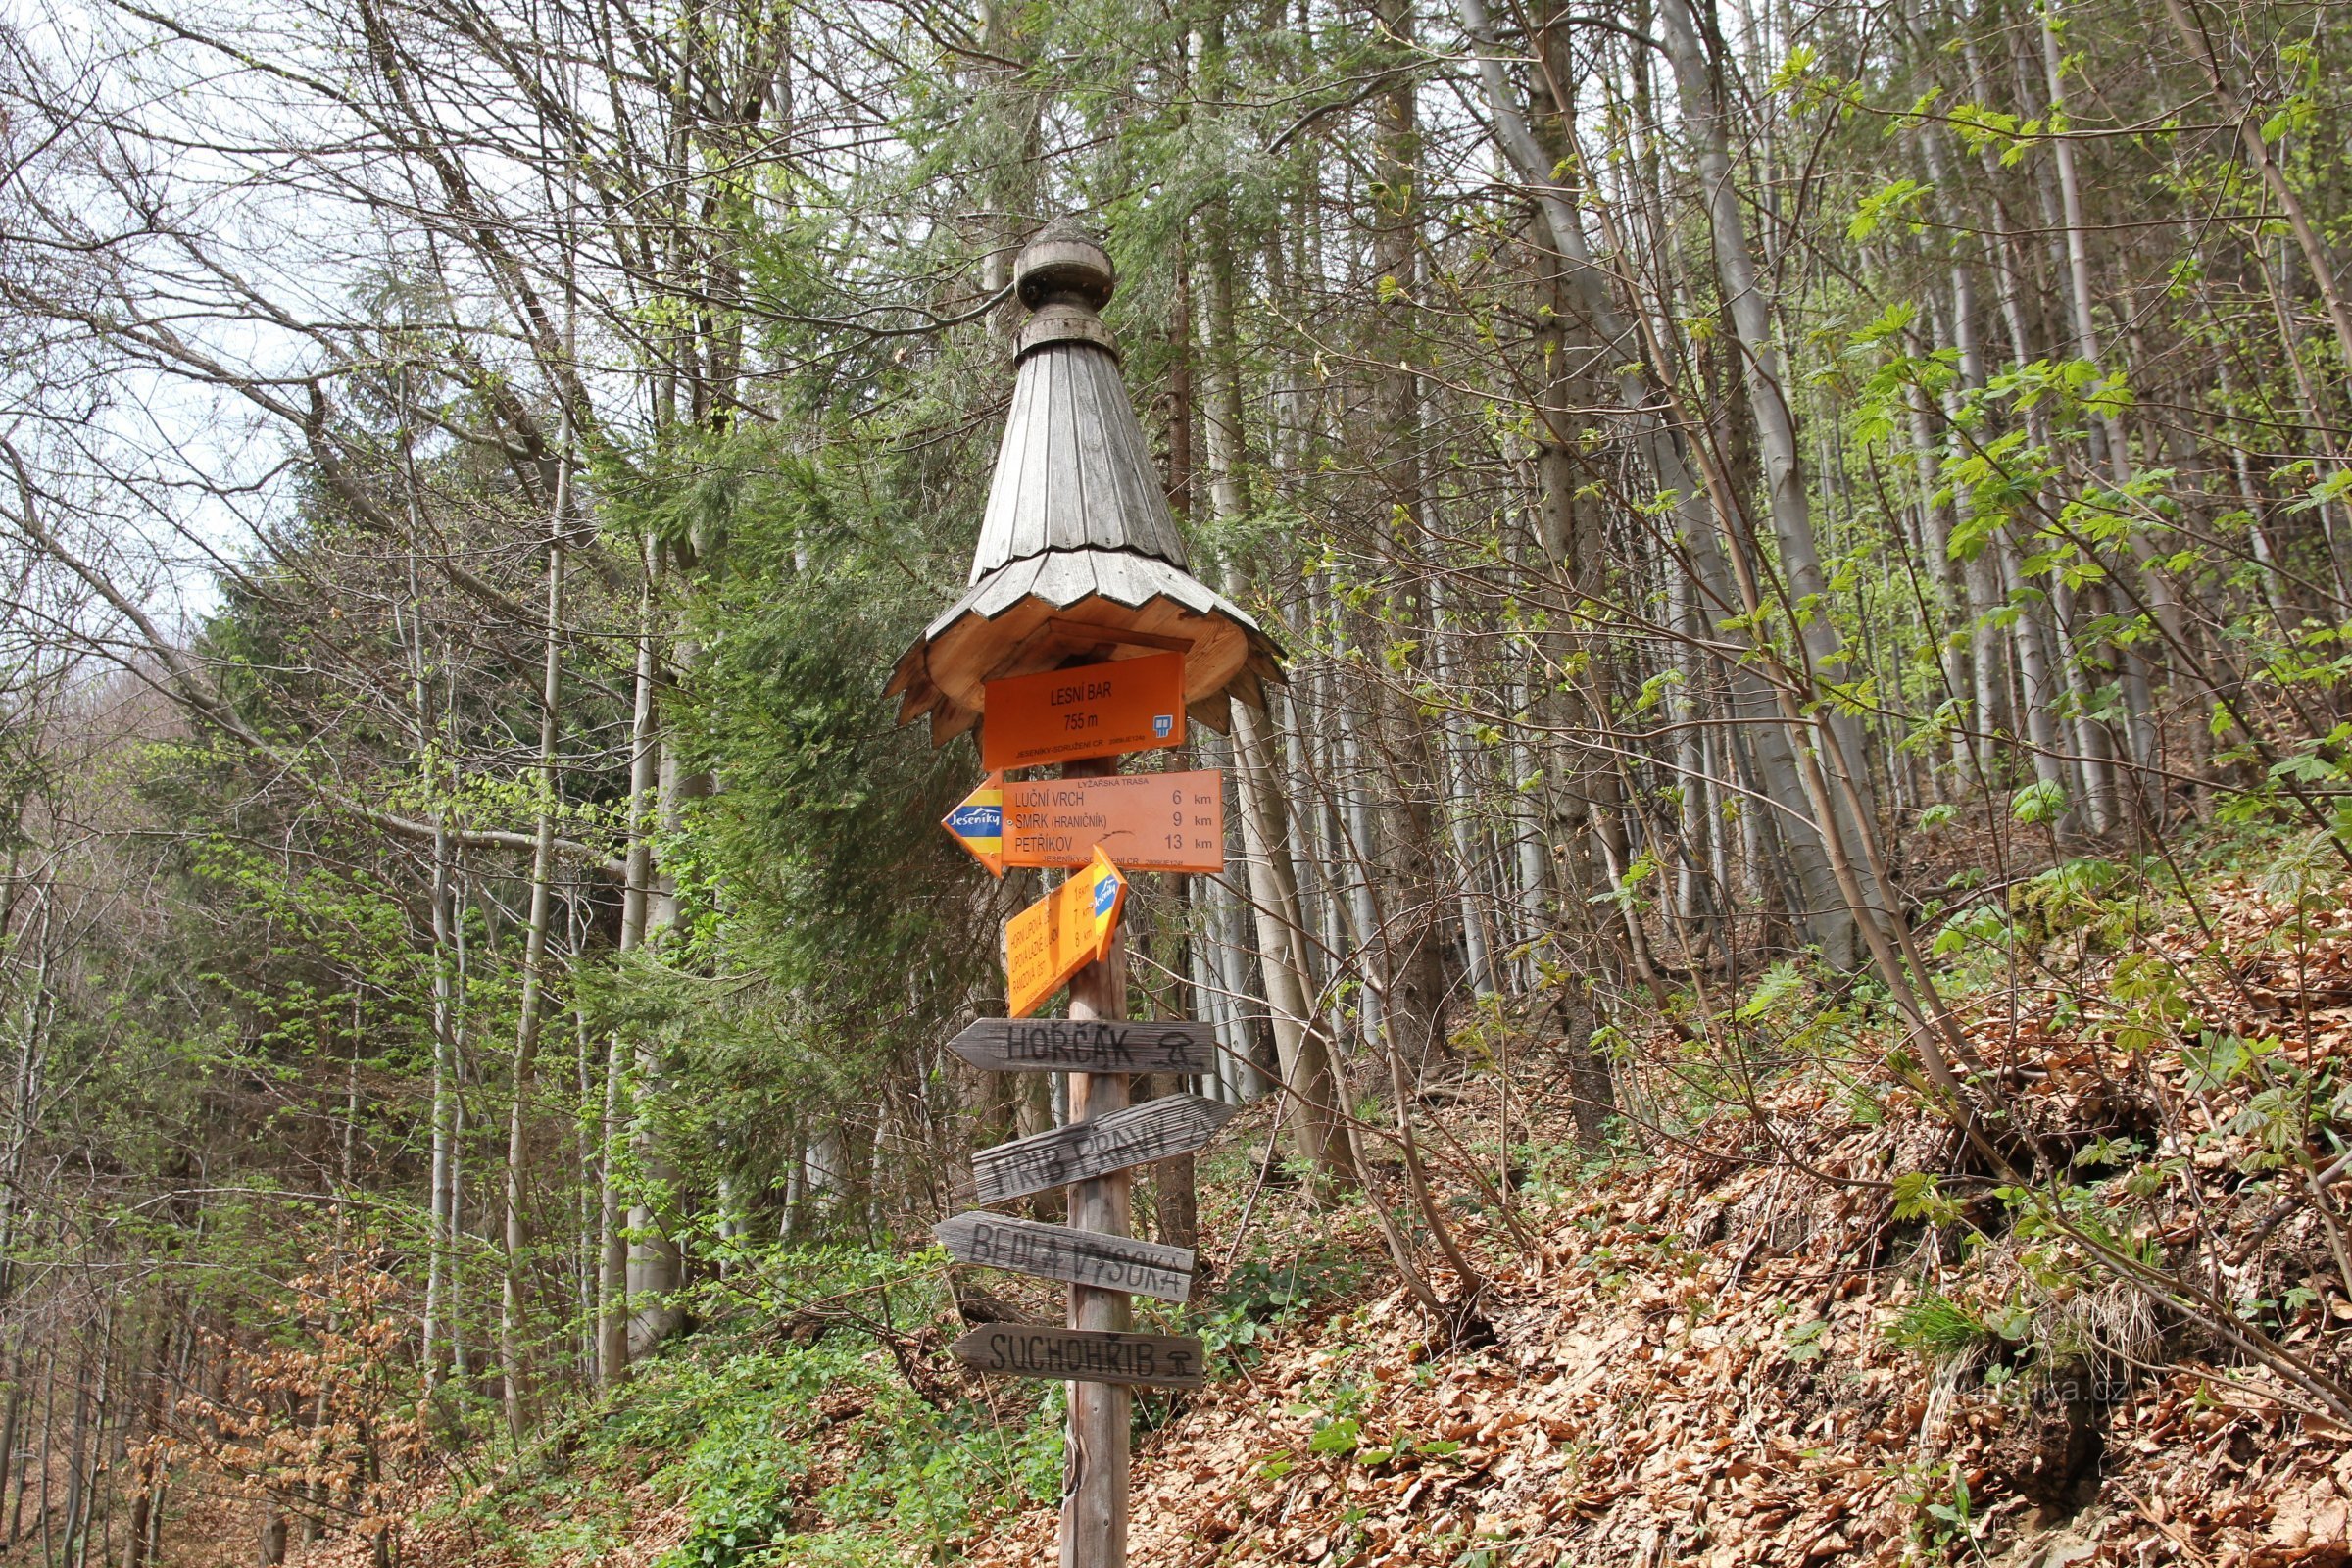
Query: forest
(1804, 826)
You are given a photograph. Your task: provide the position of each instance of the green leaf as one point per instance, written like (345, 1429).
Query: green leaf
(1336, 1437)
(1777, 985)
(1804, 1342)
(2042, 801)
(1918, 1195)
(1892, 322)
(1895, 201)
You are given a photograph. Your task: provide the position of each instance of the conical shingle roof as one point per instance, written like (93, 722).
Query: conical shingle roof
(1079, 556)
(1073, 471)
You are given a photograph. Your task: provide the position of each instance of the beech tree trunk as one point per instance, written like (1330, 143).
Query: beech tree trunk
(531, 1022)
(1311, 1105)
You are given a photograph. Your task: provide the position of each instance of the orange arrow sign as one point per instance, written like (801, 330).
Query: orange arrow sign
(978, 824)
(1060, 934)
(1147, 821)
(1122, 705)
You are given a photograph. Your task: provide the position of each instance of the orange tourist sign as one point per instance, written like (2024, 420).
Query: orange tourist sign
(978, 824)
(1145, 821)
(1060, 934)
(1123, 705)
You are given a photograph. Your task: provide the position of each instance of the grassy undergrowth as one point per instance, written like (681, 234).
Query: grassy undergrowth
(777, 1438)
(785, 1431)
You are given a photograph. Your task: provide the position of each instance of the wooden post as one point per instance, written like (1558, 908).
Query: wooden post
(1094, 1476)
(1079, 564)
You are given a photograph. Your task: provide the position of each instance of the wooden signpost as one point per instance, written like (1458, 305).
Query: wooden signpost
(1076, 1257)
(1060, 716)
(1144, 821)
(1141, 1135)
(1029, 1350)
(1060, 934)
(1079, 564)
(1100, 1045)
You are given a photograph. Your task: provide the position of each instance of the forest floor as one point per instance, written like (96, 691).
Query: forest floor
(1749, 1341)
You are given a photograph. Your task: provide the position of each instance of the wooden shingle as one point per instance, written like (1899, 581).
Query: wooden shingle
(1078, 549)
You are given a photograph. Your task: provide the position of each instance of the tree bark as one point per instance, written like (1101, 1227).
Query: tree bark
(612, 1240)
(530, 1024)
(1310, 1107)
(1697, 515)
(1807, 596)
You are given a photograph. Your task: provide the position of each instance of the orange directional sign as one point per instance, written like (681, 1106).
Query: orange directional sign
(1125, 705)
(1145, 821)
(1060, 934)
(978, 824)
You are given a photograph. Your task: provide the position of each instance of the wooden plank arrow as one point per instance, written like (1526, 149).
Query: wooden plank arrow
(1086, 1045)
(1157, 1129)
(1084, 1355)
(1061, 1253)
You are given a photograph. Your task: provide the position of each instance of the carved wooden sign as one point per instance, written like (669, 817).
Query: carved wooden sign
(1096, 1356)
(1060, 1253)
(1158, 1129)
(1086, 1045)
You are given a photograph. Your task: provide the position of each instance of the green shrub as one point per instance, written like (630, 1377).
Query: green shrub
(1937, 1326)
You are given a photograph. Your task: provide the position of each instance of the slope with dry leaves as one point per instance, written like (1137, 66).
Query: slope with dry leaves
(1797, 1318)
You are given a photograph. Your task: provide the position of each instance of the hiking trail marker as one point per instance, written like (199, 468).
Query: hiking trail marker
(1060, 934)
(1033, 1350)
(1083, 635)
(1058, 1253)
(1062, 715)
(1091, 1044)
(1144, 821)
(1141, 1135)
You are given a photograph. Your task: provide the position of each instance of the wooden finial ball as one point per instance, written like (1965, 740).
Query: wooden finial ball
(1063, 263)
